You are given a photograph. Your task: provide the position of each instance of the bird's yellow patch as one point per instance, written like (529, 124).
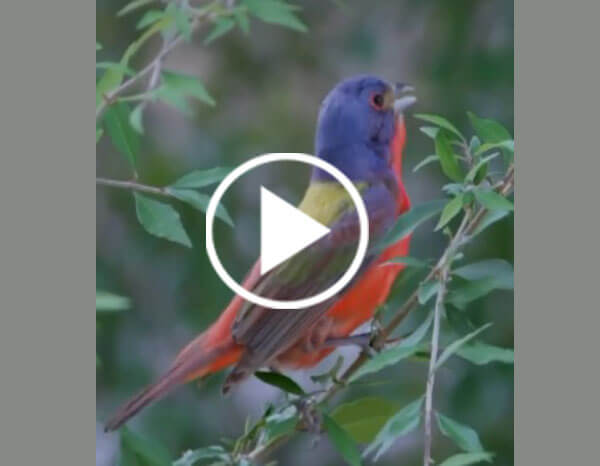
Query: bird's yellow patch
(325, 201)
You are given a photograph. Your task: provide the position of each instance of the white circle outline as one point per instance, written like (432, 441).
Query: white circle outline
(299, 303)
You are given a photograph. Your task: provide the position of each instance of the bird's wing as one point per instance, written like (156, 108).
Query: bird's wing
(264, 332)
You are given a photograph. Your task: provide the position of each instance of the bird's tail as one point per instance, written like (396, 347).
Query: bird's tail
(210, 352)
(193, 362)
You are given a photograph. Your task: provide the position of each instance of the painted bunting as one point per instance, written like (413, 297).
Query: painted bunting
(361, 131)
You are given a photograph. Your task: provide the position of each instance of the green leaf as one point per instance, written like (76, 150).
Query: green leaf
(160, 219)
(189, 86)
(464, 459)
(492, 132)
(458, 320)
(241, 17)
(406, 348)
(98, 46)
(455, 345)
(473, 290)
(410, 220)
(448, 159)
(222, 27)
(200, 201)
(463, 436)
(481, 174)
(162, 23)
(342, 441)
(508, 145)
(453, 189)
(474, 144)
(429, 131)
(109, 302)
(99, 132)
(407, 261)
(363, 418)
(140, 451)
(201, 178)
(173, 98)
(485, 160)
(400, 424)
(427, 290)
(280, 381)
(181, 19)
(109, 81)
(489, 219)
(426, 161)
(451, 210)
(135, 118)
(384, 359)
(500, 270)
(482, 353)
(150, 17)
(191, 457)
(489, 131)
(133, 6)
(414, 339)
(116, 122)
(441, 122)
(491, 200)
(276, 12)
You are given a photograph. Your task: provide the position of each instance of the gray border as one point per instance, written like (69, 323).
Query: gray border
(48, 232)
(556, 96)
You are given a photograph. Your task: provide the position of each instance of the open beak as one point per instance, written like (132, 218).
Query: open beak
(404, 97)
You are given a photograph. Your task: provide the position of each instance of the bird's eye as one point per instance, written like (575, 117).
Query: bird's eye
(377, 101)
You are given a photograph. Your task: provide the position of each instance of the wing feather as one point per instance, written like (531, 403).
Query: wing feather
(265, 333)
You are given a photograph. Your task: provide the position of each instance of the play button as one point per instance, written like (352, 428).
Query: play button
(284, 230)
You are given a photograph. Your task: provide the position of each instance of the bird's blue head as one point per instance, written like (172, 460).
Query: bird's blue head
(356, 126)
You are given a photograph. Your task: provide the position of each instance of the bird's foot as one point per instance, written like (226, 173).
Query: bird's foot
(376, 343)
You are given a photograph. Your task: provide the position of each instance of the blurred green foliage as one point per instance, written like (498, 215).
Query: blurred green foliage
(267, 86)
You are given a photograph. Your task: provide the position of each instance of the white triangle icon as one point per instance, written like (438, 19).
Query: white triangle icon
(284, 230)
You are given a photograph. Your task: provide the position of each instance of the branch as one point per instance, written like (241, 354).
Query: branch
(443, 274)
(133, 186)
(153, 67)
(435, 337)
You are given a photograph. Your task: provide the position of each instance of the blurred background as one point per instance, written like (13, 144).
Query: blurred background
(458, 54)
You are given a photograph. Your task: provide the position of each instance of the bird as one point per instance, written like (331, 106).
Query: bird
(361, 131)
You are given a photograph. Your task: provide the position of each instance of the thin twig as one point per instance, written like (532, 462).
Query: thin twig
(435, 338)
(133, 186)
(443, 273)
